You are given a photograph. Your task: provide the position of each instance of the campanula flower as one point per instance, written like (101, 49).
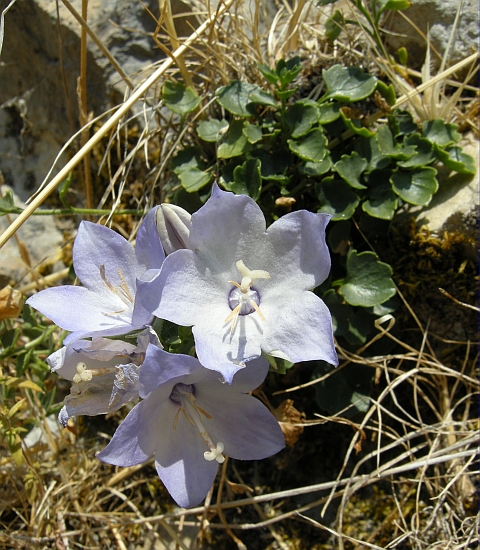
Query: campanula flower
(104, 373)
(108, 267)
(189, 419)
(173, 224)
(245, 288)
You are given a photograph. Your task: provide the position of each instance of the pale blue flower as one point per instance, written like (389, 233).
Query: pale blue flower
(245, 288)
(189, 419)
(173, 224)
(108, 267)
(104, 373)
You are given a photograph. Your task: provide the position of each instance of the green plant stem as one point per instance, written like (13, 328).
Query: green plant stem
(72, 211)
(41, 338)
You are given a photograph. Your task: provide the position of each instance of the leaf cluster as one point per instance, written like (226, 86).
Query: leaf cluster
(330, 157)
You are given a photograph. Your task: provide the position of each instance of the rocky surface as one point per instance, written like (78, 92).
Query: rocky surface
(438, 17)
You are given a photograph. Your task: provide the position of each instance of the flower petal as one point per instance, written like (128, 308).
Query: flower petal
(139, 434)
(224, 230)
(251, 376)
(301, 328)
(296, 252)
(180, 463)
(247, 428)
(148, 248)
(97, 245)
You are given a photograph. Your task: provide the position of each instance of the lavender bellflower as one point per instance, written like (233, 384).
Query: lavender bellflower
(245, 288)
(189, 419)
(108, 267)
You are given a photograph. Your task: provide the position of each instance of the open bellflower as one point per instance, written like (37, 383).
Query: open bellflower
(189, 419)
(108, 267)
(104, 373)
(245, 288)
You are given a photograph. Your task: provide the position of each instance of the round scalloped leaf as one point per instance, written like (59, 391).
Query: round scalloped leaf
(312, 146)
(348, 84)
(437, 131)
(235, 98)
(316, 168)
(328, 112)
(235, 142)
(247, 179)
(416, 186)
(261, 97)
(355, 125)
(368, 149)
(336, 198)
(252, 132)
(382, 203)
(178, 98)
(368, 281)
(194, 179)
(387, 92)
(455, 159)
(350, 168)
(424, 152)
(301, 116)
(209, 130)
(389, 147)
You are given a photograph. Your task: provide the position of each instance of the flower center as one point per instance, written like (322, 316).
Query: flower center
(244, 299)
(122, 291)
(183, 395)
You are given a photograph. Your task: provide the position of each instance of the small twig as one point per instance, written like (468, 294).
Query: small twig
(463, 304)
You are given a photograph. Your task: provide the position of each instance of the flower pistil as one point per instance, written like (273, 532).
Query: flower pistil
(183, 395)
(244, 299)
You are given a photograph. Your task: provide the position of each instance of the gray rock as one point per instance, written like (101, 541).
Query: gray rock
(38, 95)
(42, 240)
(438, 16)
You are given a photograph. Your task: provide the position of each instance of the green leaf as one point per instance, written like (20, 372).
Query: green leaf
(437, 131)
(209, 130)
(351, 168)
(394, 5)
(328, 112)
(247, 179)
(424, 154)
(268, 73)
(286, 94)
(252, 132)
(275, 164)
(312, 146)
(348, 84)
(63, 189)
(260, 97)
(340, 311)
(389, 147)
(186, 159)
(287, 71)
(235, 98)
(179, 99)
(346, 391)
(368, 149)
(387, 92)
(368, 281)
(361, 327)
(455, 159)
(194, 179)
(339, 237)
(401, 123)
(416, 186)
(316, 168)
(7, 206)
(382, 203)
(355, 126)
(336, 198)
(334, 26)
(235, 142)
(280, 366)
(301, 116)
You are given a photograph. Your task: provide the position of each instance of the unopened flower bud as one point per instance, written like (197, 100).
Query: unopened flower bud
(173, 224)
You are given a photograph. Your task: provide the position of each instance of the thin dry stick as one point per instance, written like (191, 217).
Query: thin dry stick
(122, 110)
(83, 112)
(99, 43)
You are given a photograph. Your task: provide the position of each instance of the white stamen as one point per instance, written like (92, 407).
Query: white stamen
(245, 298)
(193, 414)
